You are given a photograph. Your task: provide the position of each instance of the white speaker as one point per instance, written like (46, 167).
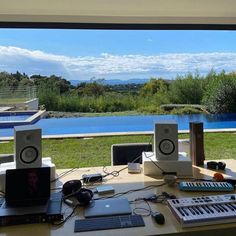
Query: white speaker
(28, 146)
(166, 141)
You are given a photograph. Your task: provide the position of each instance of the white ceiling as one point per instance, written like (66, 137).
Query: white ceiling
(120, 11)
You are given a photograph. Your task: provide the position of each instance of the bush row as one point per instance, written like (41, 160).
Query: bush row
(216, 91)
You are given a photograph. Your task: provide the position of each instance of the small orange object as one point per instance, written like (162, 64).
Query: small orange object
(218, 177)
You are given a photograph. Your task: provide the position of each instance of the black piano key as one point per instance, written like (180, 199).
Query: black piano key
(216, 208)
(191, 210)
(199, 209)
(224, 207)
(196, 210)
(210, 209)
(181, 211)
(185, 211)
(230, 207)
(233, 205)
(206, 210)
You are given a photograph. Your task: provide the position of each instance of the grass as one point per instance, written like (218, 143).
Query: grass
(10, 101)
(68, 153)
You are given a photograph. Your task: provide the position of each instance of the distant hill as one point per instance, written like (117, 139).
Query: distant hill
(114, 81)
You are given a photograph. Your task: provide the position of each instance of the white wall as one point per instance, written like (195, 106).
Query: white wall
(32, 104)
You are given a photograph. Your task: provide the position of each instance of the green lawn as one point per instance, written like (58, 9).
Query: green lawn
(68, 153)
(10, 101)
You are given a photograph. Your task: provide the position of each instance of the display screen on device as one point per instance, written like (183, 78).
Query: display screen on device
(26, 187)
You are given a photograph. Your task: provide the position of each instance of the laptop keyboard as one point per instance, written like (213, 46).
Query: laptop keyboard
(113, 222)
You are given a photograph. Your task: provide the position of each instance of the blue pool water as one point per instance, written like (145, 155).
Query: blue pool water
(14, 117)
(85, 125)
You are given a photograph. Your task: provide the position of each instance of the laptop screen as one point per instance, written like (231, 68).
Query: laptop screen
(27, 187)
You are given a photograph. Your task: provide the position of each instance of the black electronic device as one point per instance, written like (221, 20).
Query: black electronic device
(27, 187)
(84, 196)
(52, 213)
(158, 217)
(73, 188)
(103, 223)
(216, 165)
(91, 178)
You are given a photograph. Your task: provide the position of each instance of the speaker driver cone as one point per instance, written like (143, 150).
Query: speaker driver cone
(166, 147)
(29, 155)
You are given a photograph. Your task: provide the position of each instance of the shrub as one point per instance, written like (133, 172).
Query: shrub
(48, 98)
(186, 90)
(220, 96)
(185, 111)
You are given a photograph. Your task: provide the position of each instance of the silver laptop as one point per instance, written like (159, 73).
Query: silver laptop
(108, 207)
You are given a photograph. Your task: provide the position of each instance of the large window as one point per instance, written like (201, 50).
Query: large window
(116, 54)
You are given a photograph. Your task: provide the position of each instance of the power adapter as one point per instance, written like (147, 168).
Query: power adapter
(134, 167)
(91, 178)
(104, 189)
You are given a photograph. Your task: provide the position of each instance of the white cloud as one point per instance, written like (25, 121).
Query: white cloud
(111, 66)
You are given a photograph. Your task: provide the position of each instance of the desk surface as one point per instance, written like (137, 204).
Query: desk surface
(124, 182)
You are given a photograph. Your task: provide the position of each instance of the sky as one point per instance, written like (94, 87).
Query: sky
(116, 54)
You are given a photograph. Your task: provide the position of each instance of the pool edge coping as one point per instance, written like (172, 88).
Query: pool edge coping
(32, 119)
(91, 135)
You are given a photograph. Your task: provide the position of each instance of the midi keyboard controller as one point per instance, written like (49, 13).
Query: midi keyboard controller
(208, 186)
(204, 210)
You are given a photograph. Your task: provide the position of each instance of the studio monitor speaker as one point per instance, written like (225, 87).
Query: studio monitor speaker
(28, 146)
(197, 143)
(166, 141)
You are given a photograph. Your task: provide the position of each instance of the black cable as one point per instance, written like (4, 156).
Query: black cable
(113, 173)
(131, 191)
(67, 218)
(116, 173)
(162, 198)
(63, 174)
(136, 209)
(154, 163)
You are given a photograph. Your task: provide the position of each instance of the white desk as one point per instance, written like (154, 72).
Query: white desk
(123, 183)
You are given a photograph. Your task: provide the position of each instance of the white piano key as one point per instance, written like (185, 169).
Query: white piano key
(206, 210)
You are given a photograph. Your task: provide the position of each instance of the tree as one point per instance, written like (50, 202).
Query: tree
(91, 89)
(154, 86)
(187, 89)
(220, 95)
(52, 82)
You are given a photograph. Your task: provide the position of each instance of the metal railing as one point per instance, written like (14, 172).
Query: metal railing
(12, 95)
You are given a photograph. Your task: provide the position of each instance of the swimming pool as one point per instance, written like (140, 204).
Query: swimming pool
(9, 119)
(15, 117)
(113, 124)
